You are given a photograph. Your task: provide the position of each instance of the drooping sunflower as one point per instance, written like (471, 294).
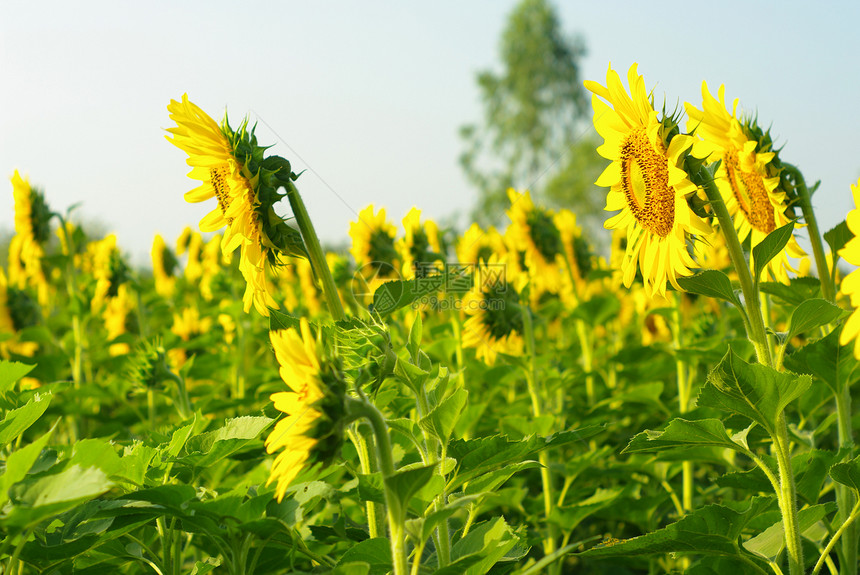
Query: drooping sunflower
(851, 284)
(108, 268)
(311, 432)
(419, 249)
(495, 322)
(647, 182)
(374, 250)
(748, 176)
(533, 233)
(213, 156)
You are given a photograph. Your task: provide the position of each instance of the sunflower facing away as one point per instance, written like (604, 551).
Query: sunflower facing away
(374, 250)
(851, 284)
(533, 233)
(420, 248)
(212, 156)
(646, 182)
(747, 178)
(314, 407)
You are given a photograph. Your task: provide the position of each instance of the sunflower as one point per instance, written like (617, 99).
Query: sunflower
(213, 157)
(647, 182)
(17, 311)
(108, 269)
(115, 316)
(495, 323)
(314, 407)
(32, 230)
(851, 284)
(477, 245)
(163, 265)
(374, 250)
(419, 248)
(533, 232)
(748, 176)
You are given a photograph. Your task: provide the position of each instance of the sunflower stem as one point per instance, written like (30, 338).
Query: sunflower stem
(755, 324)
(360, 408)
(787, 492)
(315, 253)
(827, 288)
(683, 401)
(549, 540)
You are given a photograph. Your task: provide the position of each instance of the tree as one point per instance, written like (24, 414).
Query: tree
(533, 112)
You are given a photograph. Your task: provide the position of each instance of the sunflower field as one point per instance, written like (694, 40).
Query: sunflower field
(442, 402)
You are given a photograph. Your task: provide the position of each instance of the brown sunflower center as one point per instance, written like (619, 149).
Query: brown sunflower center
(751, 194)
(645, 180)
(220, 177)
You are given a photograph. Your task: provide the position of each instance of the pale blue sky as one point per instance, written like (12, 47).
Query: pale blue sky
(370, 94)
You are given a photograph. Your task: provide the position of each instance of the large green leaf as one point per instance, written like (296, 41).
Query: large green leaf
(375, 552)
(833, 364)
(756, 391)
(441, 421)
(770, 247)
(40, 498)
(404, 483)
(681, 433)
(710, 283)
(210, 447)
(709, 530)
(483, 547)
(11, 372)
(19, 463)
(770, 542)
(812, 314)
(796, 292)
(18, 420)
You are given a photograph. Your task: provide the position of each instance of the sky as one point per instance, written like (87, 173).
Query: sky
(368, 96)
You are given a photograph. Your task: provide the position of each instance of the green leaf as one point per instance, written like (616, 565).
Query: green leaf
(393, 295)
(812, 314)
(210, 447)
(838, 236)
(570, 516)
(755, 391)
(18, 420)
(833, 364)
(770, 542)
(413, 344)
(770, 247)
(11, 372)
(597, 310)
(709, 530)
(166, 496)
(52, 494)
(681, 433)
(19, 463)
(375, 552)
(280, 320)
(491, 480)
(710, 283)
(796, 292)
(441, 421)
(847, 473)
(488, 543)
(405, 483)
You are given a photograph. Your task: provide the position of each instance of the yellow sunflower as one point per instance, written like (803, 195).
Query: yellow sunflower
(17, 311)
(163, 263)
(115, 317)
(747, 177)
(108, 269)
(477, 245)
(211, 155)
(647, 182)
(851, 284)
(374, 251)
(32, 230)
(313, 407)
(533, 233)
(495, 323)
(419, 249)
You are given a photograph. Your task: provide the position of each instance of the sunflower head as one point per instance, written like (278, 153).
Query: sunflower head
(374, 250)
(495, 323)
(312, 431)
(850, 286)
(477, 245)
(750, 176)
(647, 182)
(164, 266)
(32, 215)
(419, 248)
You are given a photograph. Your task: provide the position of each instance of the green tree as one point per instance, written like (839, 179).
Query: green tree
(533, 134)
